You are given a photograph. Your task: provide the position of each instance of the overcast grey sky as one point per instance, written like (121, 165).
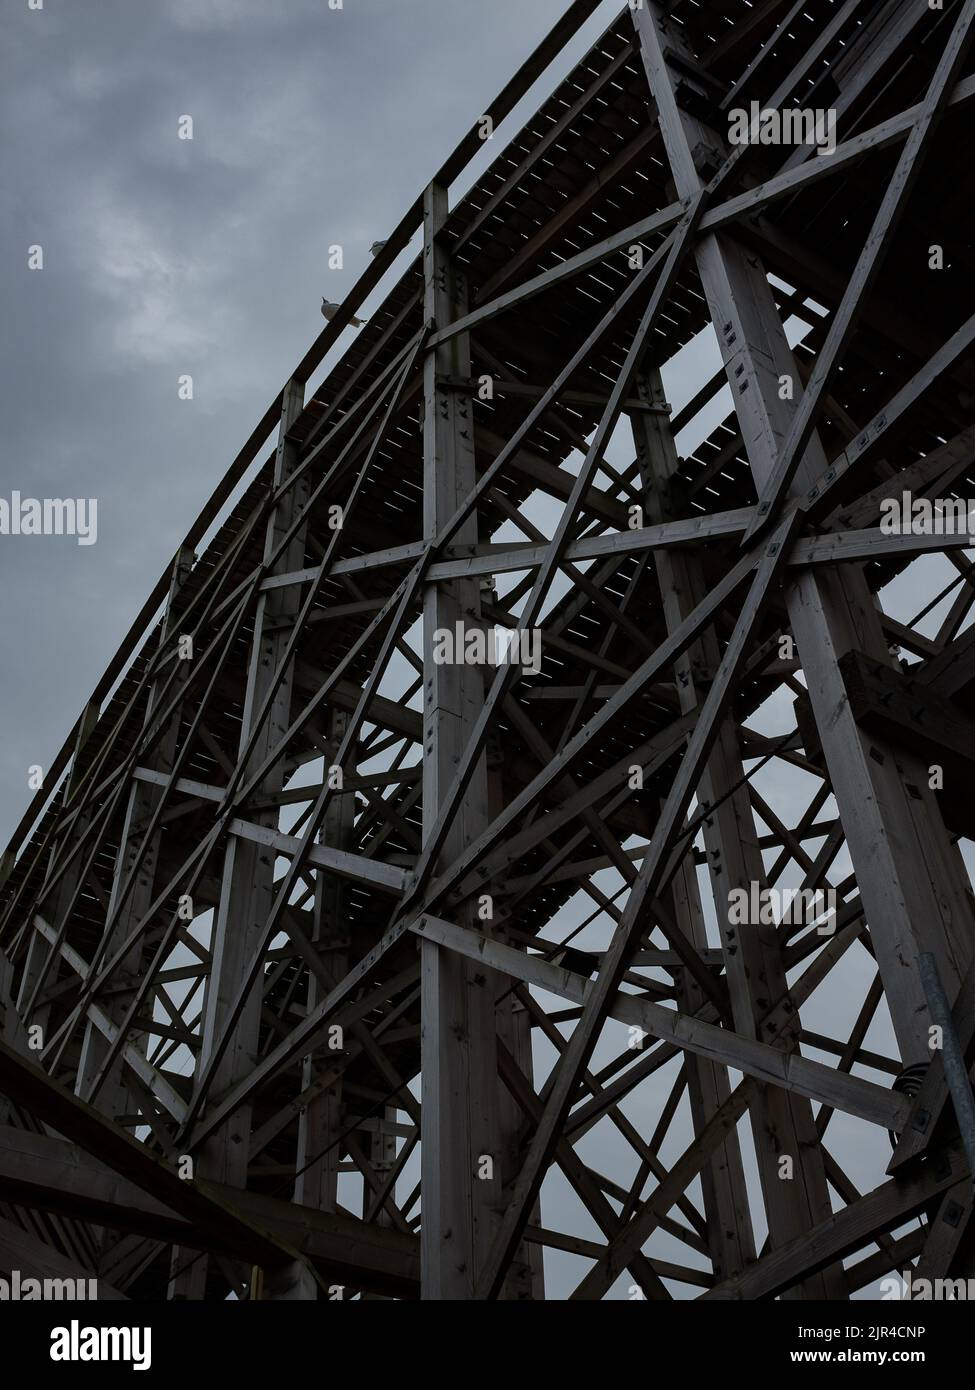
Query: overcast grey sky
(162, 256)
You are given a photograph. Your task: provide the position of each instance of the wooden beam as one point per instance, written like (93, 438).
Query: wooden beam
(885, 1209)
(792, 1071)
(460, 1118)
(33, 1259)
(910, 714)
(52, 1174)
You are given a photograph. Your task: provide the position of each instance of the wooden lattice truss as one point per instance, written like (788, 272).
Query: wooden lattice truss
(494, 950)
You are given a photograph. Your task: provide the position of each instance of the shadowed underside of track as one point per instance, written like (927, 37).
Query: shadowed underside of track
(329, 965)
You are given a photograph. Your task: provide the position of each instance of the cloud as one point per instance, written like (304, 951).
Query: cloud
(204, 15)
(146, 278)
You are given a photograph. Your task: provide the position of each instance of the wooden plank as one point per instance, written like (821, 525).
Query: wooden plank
(354, 866)
(503, 559)
(929, 1112)
(884, 1209)
(867, 269)
(32, 1259)
(953, 668)
(52, 1174)
(792, 1071)
(821, 493)
(32, 1088)
(546, 280)
(848, 152)
(905, 712)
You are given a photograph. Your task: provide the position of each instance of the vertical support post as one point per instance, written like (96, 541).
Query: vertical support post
(459, 1124)
(115, 1096)
(247, 887)
(248, 875)
(382, 1156)
(526, 1275)
(731, 1240)
(381, 1153)
(320, 1122)
(782, 1123)
(316, 1183)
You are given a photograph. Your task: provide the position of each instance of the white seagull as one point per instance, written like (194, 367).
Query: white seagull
(329, 310)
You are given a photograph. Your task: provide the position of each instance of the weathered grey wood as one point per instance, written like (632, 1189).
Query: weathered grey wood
(850, 151)
(460, 1121)
(385, 876)
(35, 1260)
(781, 1123)
(653, 1211)
(884, 1209)
(320, 1122)
(676, 248)
(947, 1229)
(907, 714)
(789, 1070)
(659, 647)
(60, 1176)
(539, 284)
(867, 268)
(41, 955)
(248, 867)
(852, 546)
(502, 559)
(137, 858)
(903, 894)
(928, 1112)
(819, 495)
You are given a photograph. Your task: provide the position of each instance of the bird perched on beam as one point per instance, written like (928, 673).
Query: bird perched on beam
(377, 246)
(329, 310)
